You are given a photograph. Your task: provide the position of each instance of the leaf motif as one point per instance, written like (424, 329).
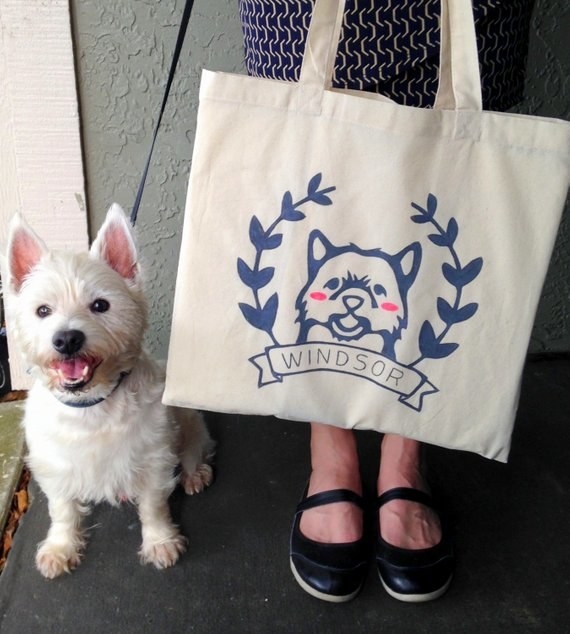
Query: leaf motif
(321, 199)
(246, 275)
(452, 231)
(471, 271)
(255, 279)
(466, 312)
(445, 311)
(256, 233)
(263, 277)
(287, 200)
(293, 215)
(264, 318)
(273, 242)
(439, 240)
(428, 340)
(450, 273)
(431, 205)
(313, 185)
(288, 211)
(420, 219)
(460, 277)
(252, 315)
(450, 315)
(443, 350)
(446, 238)
(287, 205)
(269, 312)
(430, 347)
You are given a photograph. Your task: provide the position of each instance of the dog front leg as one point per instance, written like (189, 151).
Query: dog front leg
(61, 550)
(162, 543)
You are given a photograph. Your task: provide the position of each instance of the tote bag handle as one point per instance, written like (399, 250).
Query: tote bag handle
(459, 78)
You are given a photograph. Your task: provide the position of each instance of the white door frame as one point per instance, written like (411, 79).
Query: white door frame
(41, 166)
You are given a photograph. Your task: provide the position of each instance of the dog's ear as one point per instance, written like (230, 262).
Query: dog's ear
(25, 249)
(116, 246)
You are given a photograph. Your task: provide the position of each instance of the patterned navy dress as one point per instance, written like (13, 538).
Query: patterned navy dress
(391, 46)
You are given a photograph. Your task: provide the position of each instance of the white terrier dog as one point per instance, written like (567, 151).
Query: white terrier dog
(95, 426)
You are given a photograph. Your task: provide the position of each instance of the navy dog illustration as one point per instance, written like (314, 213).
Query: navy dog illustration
(352, 293)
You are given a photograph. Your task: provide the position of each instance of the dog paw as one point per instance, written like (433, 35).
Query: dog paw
(52, 560)
(197, 481)
(163, 554)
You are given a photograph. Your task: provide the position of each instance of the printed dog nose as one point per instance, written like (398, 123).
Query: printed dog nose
(68, 341)
(352, 302)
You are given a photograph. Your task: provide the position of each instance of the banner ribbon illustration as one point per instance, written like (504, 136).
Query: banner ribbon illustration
(279, 361)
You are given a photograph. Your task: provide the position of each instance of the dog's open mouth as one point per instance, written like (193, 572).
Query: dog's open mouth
(347, 327)
(76, 372)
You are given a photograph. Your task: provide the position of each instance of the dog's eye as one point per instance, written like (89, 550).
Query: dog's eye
(100, 306)
(43, 311)
(333, 284)
(379, 289)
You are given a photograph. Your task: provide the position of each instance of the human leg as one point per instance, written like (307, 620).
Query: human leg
(414, 553)
(405, 524)
(328, 555)
(334, 465)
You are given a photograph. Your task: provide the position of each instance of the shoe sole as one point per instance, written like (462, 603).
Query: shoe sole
(417, 598)
(331, 598)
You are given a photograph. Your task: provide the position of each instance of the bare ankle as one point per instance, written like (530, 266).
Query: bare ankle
(334, 459)
(400, 464)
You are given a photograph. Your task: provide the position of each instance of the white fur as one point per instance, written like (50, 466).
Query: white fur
(125, 447)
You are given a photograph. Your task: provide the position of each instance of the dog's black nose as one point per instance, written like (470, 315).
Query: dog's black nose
(68, 341)
(352, 302)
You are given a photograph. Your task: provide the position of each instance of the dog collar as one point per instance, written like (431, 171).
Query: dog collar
(94, 401)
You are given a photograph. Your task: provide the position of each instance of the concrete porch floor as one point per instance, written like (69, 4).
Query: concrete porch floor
(512, 540)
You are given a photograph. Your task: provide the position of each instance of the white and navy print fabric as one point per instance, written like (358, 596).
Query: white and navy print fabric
(391, 47)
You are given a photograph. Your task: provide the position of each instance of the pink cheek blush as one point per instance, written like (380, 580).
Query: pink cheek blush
(319, 297)
(389, 307)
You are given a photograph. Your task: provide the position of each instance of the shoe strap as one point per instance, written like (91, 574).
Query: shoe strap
(406, 493)
(330, 497)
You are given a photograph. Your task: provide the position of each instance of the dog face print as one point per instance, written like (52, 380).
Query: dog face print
(361, 310)
(353, 292)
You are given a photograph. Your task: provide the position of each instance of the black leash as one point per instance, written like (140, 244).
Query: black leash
(175, 56)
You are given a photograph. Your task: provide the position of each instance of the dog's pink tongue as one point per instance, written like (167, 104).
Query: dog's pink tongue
(73, 368)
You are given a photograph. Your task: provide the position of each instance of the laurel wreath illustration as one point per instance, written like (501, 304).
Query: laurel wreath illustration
(431, 344)
(458, 275)
(263, 316)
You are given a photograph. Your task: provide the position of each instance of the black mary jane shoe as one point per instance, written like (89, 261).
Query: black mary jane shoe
(331, 572)
(414, 575)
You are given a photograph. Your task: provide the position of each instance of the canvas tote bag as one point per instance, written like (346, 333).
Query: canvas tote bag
(355, 262)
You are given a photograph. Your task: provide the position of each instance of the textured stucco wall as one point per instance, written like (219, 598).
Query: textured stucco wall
(123, 52)
(547, 93)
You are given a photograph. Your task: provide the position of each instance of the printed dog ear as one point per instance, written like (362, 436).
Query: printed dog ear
(320, 249)
(116, 246)
(409, 260)
(25, 250)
